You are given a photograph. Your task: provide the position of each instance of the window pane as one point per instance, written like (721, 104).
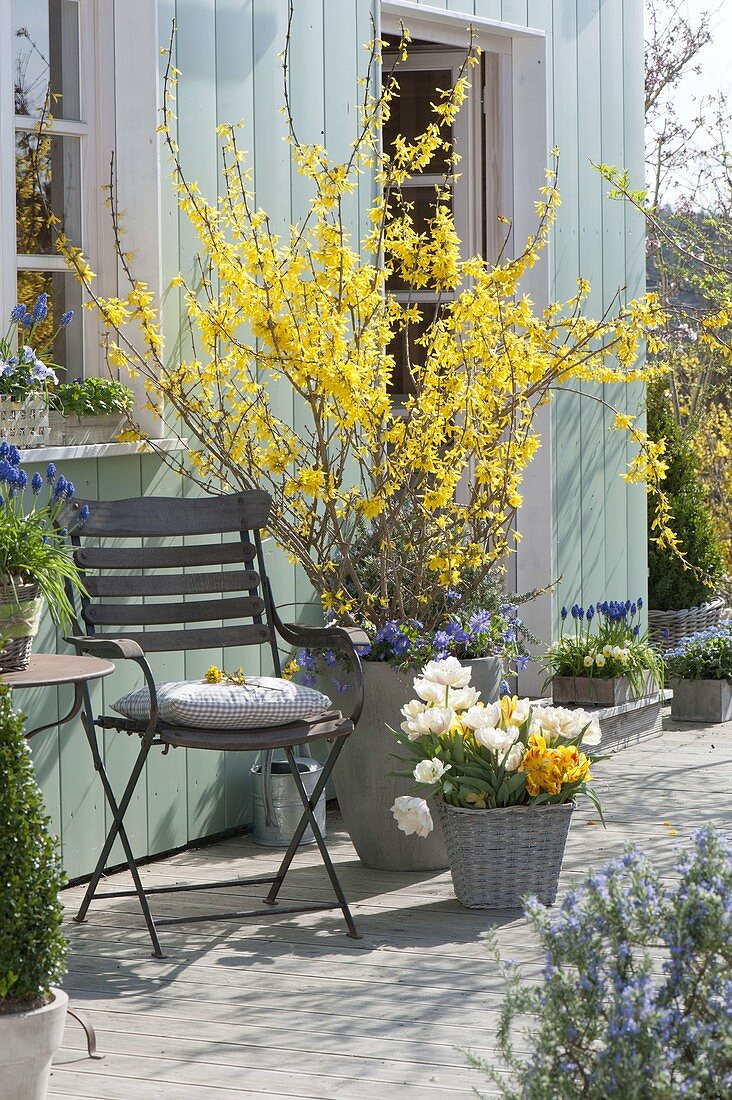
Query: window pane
(64, 293)
(407, 352)
(423, 200)
(46, 50)
(411, 112)
(47, 177)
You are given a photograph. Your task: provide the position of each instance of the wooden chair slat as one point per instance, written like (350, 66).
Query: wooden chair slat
(173, 584)
(154, 517)
(209, 637)
(164, 557)
(195, 611)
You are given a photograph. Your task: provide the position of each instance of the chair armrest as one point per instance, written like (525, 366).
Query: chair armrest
(323, 636)
(121, 649)
(329, 637)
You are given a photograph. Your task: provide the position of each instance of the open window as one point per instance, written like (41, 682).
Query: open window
(477, 183)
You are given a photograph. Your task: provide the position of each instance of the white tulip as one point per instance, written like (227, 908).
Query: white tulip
(482, 714)
(429, 771)
(462, 698)
(448, 672)
(514, 757)
(520, 711)
(431, 692)
(432, 720)
(412, 815)
(496, 740)
(559, 723)
(593, 733)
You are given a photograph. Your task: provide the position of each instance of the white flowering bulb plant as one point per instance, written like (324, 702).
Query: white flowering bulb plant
(478, 755)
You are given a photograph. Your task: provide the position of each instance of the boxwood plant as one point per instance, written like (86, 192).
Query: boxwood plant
(32, 945)
(706, 655)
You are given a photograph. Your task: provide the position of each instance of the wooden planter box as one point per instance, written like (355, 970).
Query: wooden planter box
(707, 701)
(587, 690)
(68, 431)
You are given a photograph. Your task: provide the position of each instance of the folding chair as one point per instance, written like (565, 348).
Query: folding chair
(137, 571)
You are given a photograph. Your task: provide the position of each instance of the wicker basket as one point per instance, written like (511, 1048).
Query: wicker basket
(497, 857)
(667, 628)
(20, 616)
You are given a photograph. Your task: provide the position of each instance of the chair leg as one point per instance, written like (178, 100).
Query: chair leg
(117, 829)
(308, 818)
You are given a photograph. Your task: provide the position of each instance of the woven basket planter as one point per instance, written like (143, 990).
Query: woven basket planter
(667, 628)
(499, 856)
(20, 617)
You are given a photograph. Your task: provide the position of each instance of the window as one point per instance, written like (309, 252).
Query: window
(417, 78)
(48, 38)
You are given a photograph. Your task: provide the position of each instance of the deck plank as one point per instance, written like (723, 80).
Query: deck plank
(290, 1007)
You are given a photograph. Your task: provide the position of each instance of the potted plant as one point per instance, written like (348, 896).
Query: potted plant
(32, 945)
(479, 625)
(503, 777)
(25, 378)
(35, 559)
(92, 410)
(701, 667)
(682, 592)
(603, 660)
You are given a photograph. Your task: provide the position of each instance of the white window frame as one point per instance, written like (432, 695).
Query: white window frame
(515, 104)
(119, 57)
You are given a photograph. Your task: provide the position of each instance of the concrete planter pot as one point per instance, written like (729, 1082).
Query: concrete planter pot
(599, 693)
(28, 1041)
(707, 701)
(365, 789)
(77, 431)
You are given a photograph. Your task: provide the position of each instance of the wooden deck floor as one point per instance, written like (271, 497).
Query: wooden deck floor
(293, 1008)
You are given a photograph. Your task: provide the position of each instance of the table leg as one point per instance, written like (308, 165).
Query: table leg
(91, 1038)
(75, 708)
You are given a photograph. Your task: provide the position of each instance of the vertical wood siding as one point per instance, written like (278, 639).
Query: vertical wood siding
(228, 53)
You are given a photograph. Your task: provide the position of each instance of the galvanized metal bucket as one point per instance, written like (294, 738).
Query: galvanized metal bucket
(277, 804)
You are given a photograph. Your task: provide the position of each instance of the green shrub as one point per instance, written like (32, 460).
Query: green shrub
(670, 585)
(32, 945)
(94, 397)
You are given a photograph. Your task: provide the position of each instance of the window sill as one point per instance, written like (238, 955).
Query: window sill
(96, 450)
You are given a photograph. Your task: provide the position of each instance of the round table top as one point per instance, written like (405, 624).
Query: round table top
(50, 669)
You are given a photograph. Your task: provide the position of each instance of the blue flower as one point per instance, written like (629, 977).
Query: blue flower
(504, 689)
(452, 595)
(564, 613)
(4, 449)
(14, 455)
(639, 602)
(590, 613)
(522, 661)
(17, 313)
(60, 487)
(36, 483)
(83, 513)
(40, 309)
(22, 479)
(67, 318)
(636, 631)
(27, 320)
(308, 679)
(50, 473)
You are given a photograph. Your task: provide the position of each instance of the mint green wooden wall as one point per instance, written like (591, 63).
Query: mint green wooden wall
(228, 53)
(595, 109)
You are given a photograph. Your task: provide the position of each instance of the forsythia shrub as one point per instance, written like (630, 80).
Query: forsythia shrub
(306, 312)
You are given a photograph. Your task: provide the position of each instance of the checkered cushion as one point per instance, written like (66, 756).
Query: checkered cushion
(261, 702)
